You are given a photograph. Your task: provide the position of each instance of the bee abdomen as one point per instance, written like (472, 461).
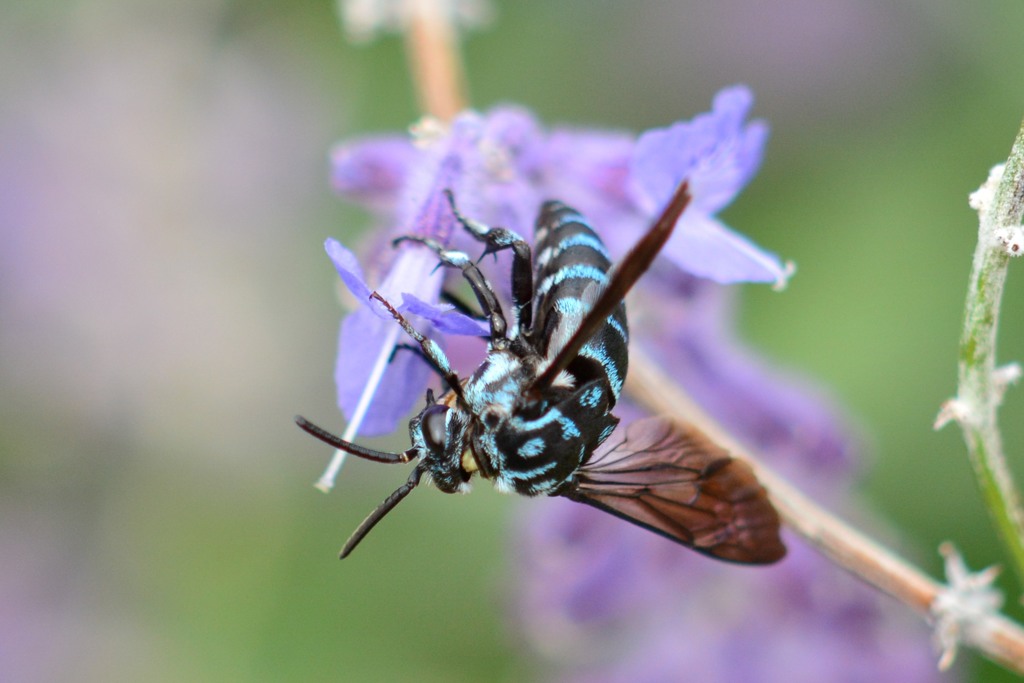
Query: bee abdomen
(572, 267)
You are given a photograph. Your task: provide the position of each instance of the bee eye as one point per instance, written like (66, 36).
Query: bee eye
(433, 427)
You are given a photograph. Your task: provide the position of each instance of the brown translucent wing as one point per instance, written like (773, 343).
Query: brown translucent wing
(678, 483)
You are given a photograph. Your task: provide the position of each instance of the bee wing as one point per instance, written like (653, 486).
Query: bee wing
(676, 482)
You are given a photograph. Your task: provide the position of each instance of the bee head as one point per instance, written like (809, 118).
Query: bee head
(440, 438)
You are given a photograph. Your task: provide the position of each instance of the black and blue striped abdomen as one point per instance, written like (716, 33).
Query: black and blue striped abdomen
(571, 270)
(535, 454)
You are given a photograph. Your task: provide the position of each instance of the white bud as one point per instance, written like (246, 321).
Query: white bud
(961, 608)
(1011, 240)
(981, 199)
(364, 20)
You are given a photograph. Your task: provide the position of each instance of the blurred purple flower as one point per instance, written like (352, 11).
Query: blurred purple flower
(771, 410)
(500, 166)
(604, 601)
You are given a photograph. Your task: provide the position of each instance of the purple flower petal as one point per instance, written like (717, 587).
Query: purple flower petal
(444, 317)
(372, 171)
(500, 160)
(721, 176)
(590, 171)
(347, 265)
(717, 153)
(364, 341)
(367, 359)
(714, 151)
(426, 212)
(511, 142)
(589, 167)
(703, 246)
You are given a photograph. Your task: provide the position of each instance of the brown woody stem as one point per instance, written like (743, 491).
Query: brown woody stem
(998, 638)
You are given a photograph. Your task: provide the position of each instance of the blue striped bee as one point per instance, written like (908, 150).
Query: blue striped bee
(532, 417)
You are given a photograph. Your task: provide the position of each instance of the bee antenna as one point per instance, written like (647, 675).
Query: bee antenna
(384, 508)
(349, 447)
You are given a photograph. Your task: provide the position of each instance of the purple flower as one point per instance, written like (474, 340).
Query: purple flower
(621, 182)
(604, 600)
(718, 155)
(406, 184)
(500, 166)
(368, 338)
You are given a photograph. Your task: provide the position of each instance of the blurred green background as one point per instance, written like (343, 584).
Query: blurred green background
(166, 306)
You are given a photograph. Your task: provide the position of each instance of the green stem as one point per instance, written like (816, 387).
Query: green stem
(980, 385)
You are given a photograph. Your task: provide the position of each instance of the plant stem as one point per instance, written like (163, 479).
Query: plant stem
(997, 637)
(980, 388)
(432, 48)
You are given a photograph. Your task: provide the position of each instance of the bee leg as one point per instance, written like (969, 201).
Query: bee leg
(431, 351)
(460, 305)
(477, 282)
(497, 239)
(411, 348)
